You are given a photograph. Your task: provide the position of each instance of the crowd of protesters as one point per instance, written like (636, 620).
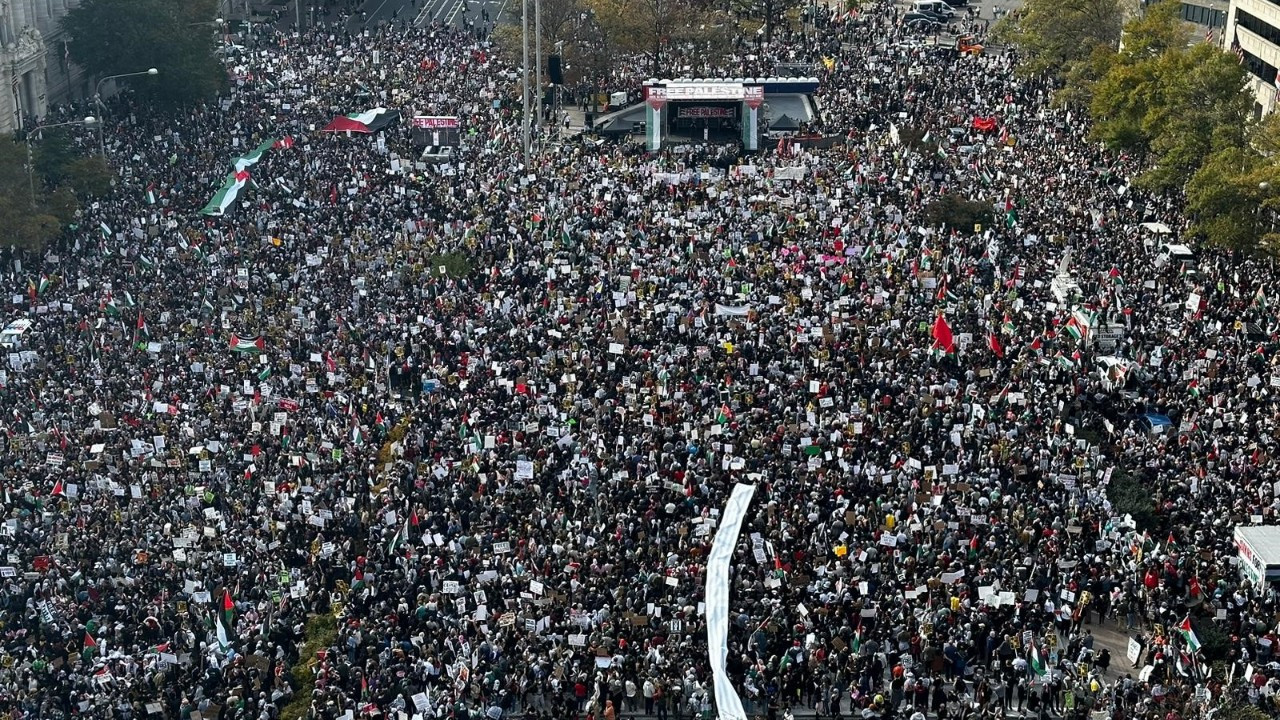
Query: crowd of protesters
(388, 439)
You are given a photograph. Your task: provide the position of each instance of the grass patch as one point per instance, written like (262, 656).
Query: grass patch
(455, 264)
(320, 633)
(1129, 495)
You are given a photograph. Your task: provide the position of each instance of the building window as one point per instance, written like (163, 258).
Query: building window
(1201, 15)
(1259, 68)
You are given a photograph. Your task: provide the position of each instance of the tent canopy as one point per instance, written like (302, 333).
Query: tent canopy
(786, 122)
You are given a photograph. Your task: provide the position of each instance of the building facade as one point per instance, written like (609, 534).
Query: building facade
(1253, 32)
(34, 67)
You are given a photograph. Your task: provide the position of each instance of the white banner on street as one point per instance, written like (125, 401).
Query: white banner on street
(728, 703)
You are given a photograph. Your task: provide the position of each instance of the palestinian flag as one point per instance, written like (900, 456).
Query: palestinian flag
(111, 308)
(1185, 665)
(226, 620)
(266, 373)
(252, 157)
(90, 645)
(141, 333)
(357, 434)
(1260, 299)
(1007, 327)
(1036, 661)
(151, 194)
(157, 649)
(58, 490)
(1074, 330)
(370, 121)
(227, 194)
(106, 231)
(254, 344)
(399, 538)
(1116, 280)
(1193, 389)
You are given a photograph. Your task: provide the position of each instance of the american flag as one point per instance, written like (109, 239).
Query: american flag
(16, 81)
(1239, 51)
(1209, 35)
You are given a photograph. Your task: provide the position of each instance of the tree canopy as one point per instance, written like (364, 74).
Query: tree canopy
(114, 37)
(1158, 96)
(35, 207)
(1052, 35)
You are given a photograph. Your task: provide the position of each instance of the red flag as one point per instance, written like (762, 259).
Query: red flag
(942, 338)
(413, 517)
(994, 342)
(1035, 344)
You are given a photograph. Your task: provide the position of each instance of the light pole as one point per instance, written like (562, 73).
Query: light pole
(524, 81)
(31, 165)
(97, 98)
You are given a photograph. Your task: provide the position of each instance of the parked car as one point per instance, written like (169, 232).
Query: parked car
(921, 21)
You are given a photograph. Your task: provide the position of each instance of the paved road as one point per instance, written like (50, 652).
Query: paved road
(455, 12)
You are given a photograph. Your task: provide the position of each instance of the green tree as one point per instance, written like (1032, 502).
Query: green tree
(1081, 80)
(176, 37)
(1233, 200)
(1053, 35)
(29, 221)
(1157, 30)
(958, 212)
(1179, 105)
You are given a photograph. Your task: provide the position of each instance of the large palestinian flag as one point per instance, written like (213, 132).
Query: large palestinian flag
(239, 177)
(227, 194)
(370, 121)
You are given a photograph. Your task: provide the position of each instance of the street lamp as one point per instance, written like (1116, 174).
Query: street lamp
(102, 111)
(31, 165)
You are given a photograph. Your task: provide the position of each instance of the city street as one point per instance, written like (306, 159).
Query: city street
(451, 12)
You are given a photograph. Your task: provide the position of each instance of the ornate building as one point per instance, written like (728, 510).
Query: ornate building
(34, 66)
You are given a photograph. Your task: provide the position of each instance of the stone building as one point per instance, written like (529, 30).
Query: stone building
(34, 67)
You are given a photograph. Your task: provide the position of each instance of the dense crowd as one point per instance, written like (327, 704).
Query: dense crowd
(392, 439)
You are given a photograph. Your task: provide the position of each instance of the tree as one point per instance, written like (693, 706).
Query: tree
(58, 164)
(649, 26)
(114, 37)
(958, 212)
(1179, 105)
(1052, 35)
(23, 223)
(770, 13)
(1231, 200)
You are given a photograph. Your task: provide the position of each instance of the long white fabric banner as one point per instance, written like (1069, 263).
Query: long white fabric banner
(728, 704)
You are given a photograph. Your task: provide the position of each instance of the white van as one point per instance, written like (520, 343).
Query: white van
(11, 335)
(936, 7)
